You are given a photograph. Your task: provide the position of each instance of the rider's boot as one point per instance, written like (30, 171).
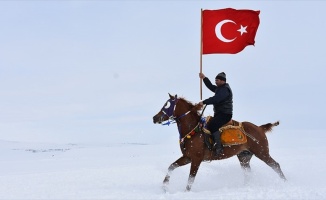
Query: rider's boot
(217, 143)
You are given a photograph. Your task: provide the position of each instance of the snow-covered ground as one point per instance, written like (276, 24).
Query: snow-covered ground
(136, 171)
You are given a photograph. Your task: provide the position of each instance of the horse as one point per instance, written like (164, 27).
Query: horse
(194, 150)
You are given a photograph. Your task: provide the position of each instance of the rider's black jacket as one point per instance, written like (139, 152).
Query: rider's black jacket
(223, 98)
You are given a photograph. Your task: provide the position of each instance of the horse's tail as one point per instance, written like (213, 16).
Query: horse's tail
(268, 127)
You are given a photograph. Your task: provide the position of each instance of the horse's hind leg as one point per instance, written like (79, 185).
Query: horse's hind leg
(180, 162)
(273, 164)
(244, 158)
(276, 167)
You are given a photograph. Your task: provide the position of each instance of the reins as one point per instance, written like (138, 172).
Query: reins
(174, 119)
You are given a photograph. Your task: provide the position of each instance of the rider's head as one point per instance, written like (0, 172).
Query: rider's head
(220, 79)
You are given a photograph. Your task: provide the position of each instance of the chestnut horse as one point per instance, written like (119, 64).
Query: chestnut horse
(194, 149)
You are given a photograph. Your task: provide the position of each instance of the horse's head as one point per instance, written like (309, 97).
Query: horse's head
(170, 110)
(167, 111)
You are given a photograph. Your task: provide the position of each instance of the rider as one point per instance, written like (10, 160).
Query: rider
(223, 107)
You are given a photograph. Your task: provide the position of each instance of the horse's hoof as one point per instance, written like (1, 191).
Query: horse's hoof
(165, 183)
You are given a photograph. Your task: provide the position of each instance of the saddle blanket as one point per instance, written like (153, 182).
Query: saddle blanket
(231, 134)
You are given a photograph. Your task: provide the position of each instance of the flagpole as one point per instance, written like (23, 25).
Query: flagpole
(201, 52)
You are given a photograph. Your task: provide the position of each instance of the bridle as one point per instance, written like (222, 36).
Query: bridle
(169, 110)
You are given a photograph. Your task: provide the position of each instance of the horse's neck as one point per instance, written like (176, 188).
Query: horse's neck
(187, 124)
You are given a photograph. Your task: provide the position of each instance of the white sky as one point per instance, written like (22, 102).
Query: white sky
(98, 71)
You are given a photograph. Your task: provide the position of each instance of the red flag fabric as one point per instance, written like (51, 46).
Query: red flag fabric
(228, 30)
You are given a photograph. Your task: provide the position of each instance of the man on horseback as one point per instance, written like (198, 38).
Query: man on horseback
(223, 107)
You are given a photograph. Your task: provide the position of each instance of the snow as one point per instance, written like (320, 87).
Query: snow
(134, 170)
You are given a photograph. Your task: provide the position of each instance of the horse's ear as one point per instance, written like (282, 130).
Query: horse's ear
(172, 97)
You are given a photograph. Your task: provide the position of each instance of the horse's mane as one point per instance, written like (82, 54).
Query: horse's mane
(194, 108)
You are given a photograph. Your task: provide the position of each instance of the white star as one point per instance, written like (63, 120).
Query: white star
(242, 29)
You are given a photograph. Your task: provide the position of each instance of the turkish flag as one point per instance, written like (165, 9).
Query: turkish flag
(228, 30)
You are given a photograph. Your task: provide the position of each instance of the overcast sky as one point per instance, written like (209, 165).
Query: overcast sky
(80, 71)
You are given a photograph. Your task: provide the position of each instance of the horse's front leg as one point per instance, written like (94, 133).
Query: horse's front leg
(178, 163)
(195, 163)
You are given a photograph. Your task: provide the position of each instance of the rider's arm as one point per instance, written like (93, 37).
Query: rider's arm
(218, 97)
(209, 84)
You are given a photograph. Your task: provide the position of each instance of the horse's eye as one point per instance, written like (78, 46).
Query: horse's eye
(168, 104)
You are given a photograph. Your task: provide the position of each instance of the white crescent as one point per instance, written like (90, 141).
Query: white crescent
(168, 104)
(219, 33)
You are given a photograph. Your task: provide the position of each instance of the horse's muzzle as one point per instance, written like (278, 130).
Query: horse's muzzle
(158, 119)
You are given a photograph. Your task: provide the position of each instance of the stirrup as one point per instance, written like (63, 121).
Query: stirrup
(219, 151)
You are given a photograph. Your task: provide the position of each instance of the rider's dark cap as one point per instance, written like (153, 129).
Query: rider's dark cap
(221, 76)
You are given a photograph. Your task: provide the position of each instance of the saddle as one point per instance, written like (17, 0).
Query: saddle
(232, 133)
